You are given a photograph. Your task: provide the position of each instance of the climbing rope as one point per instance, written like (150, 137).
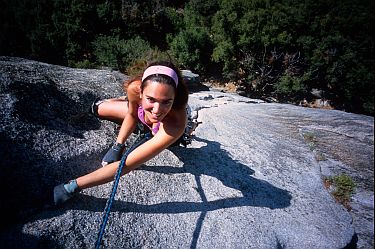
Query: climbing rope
(142, 138)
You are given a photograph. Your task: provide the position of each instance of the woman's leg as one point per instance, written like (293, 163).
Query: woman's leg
(63, 192)
(112, 109)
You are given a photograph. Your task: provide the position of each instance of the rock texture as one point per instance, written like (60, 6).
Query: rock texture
(249, 179)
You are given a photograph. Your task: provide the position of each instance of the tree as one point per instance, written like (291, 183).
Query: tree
(118, 53)
(258, 43)
(192, 46)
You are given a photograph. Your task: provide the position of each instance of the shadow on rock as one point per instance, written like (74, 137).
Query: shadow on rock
(27, 178)
(26, 181)
(21, 240)
(208, 160)
(198, 88)
(213, 161)
(35, 123)
(47, 106)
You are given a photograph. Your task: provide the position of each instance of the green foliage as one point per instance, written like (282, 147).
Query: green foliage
(344, 188)
(71, 26)
(291, 87)
(189, 48)
(192, 46)
(340, 53)
(118, 53)
(84, 64)
(277, 48)
(257, 40)
(176, 18)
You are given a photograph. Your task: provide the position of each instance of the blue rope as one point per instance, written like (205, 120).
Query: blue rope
(108, 205)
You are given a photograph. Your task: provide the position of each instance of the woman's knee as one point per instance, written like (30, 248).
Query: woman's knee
(113, 109)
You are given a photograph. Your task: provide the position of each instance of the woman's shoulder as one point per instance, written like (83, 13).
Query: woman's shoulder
(134, 90)
(134, 85)
(176, 117)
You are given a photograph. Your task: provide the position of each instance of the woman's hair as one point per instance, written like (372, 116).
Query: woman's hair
(181, 91)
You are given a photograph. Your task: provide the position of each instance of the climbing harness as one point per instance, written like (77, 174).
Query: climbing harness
(192, 124)
(142, 139)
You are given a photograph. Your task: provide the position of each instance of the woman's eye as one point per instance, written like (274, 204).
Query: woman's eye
(167, 103)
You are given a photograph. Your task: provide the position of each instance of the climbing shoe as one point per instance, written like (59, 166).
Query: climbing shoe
(94, 107)
(63, 192)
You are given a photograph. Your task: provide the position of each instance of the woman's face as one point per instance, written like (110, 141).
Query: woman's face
(157, 100)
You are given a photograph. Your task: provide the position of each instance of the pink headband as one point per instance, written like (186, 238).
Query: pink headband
(160, 70)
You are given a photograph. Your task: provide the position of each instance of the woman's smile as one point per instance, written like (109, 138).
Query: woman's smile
(157, 101)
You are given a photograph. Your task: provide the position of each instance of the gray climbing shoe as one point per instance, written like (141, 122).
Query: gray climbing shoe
(60, 195)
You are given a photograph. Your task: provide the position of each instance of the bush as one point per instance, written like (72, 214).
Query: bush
(84, 64)
(192, 45)
(118, 53)
(191, 48)
(291, 87)
(344, 188)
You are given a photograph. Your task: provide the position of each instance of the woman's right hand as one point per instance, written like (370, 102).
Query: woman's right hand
(113, 154)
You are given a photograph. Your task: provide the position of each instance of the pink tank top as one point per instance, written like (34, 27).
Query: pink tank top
(141, 117)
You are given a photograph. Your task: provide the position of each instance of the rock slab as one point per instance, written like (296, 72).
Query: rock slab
(249, 179)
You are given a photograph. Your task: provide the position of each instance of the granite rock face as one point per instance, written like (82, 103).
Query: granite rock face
(250, 179)
(45, 122)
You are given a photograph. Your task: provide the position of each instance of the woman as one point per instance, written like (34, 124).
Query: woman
(158, 99)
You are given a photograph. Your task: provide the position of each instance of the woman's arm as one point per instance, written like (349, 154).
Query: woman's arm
(131, 118)
(169, 132)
